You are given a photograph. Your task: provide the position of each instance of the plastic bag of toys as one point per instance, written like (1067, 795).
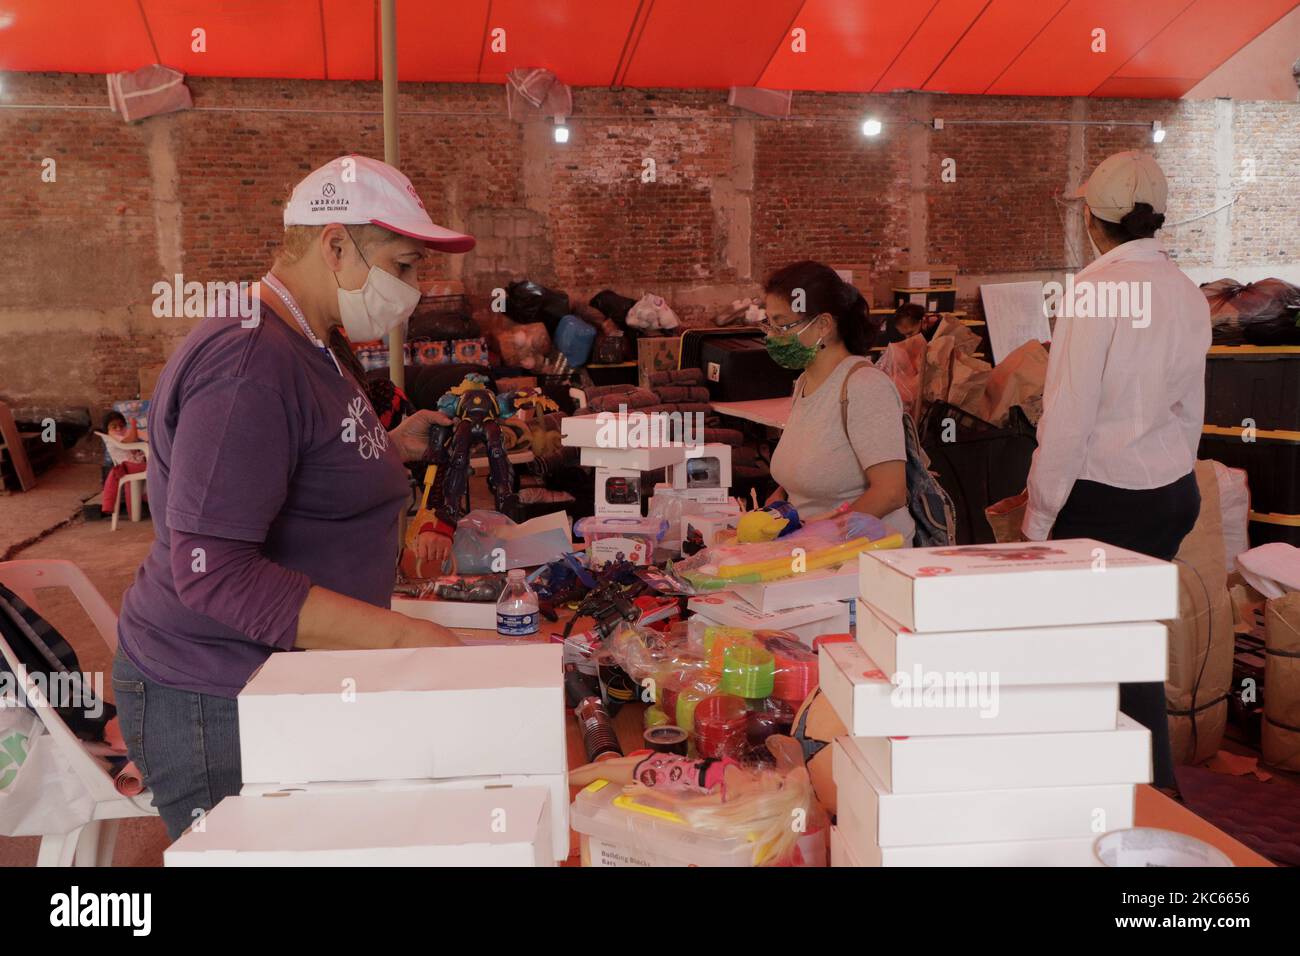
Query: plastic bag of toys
(821, 543)
(681, 810)
(488, 541)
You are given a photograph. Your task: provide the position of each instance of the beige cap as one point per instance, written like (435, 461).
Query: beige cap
(1122, 180)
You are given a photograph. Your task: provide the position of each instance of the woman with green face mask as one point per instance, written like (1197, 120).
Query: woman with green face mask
(819, 323)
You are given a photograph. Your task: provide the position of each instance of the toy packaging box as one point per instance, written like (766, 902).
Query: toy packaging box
(705, 466)
(806, 623)
(1018, 584)
(618, 491)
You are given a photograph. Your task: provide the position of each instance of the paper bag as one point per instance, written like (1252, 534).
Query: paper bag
(1017, 380)
(1201, 640)
(969, 379)
(1006, 516)
(1280, 731)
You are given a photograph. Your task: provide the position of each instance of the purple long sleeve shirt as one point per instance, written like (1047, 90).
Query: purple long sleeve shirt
(268, 473)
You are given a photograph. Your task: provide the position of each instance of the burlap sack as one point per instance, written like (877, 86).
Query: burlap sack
(1017, 380)
(1006, 516)
(1201, 639)
(1280, 730)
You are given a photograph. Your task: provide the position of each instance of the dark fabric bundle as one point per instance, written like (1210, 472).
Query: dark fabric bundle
(677, 377)
(613, 306)
(724, 436)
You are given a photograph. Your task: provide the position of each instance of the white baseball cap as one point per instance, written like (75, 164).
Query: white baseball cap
(357, 189)
(1122, 180)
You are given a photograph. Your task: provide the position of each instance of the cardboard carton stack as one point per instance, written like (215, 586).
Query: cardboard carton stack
(981, 699)
(386, 740)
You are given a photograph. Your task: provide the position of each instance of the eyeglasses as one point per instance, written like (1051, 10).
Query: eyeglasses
(771, 327)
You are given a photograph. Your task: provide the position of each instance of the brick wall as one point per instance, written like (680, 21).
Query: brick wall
(732, 197)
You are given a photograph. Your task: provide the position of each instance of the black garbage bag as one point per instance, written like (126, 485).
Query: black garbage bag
(613, 306)
(528, 301)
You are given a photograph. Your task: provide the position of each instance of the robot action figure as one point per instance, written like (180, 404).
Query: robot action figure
(476, 412)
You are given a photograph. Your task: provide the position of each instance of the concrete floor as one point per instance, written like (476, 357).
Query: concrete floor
(109, 559)
(56, 499)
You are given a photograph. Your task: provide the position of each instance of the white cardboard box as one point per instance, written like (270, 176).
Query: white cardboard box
(705, 466)
(507, 827)
(709, 523)
(410, 713)
(1018, 584)
(1072, 654)
(800, 590)
(841, 853)
(703, 495)
(973, 816)
(481, 615)
(634, 459)
(635, 429)
(814, 620)
(857, 848)
(1000, 761)
(623, 496)
(556, 783)
(959, 703)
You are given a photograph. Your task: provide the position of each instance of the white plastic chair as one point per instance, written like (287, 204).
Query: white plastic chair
(118, 452)
(93, 843)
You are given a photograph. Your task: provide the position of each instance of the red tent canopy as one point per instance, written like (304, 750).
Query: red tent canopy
(1152, 48)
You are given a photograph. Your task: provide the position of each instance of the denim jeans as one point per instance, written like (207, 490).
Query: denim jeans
(185, 744)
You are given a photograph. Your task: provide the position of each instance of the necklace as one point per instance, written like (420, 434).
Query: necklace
(287, 298)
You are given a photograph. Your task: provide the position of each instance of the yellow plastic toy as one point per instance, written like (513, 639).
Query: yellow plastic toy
(760, 525)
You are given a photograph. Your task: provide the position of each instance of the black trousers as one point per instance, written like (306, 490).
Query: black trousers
(1153, 522)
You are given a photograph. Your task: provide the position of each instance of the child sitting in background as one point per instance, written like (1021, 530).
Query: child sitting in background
(119, 429)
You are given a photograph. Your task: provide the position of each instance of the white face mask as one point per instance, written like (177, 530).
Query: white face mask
(383, 302)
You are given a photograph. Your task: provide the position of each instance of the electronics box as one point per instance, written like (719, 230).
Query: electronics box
(705, 466)
(618, 491)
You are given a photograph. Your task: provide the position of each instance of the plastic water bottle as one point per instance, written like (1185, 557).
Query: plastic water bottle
(517, 607)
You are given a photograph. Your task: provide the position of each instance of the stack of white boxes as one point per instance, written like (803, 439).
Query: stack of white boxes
(981, 700)
(435, 756)
(622, 449)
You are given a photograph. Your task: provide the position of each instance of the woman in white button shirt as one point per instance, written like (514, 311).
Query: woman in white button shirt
(1125, 397)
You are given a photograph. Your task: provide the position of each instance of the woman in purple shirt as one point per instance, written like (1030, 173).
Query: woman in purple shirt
(276, 492)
